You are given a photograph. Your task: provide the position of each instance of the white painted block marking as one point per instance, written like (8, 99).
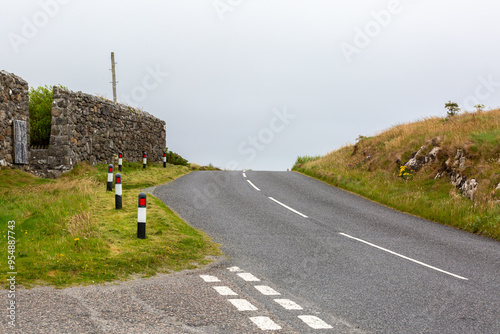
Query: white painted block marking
(267, 291)
(314, 322)
(265, 323)
(242, 305)
(234, 269)
(249, 277)
(288, 304)
(208, 278)
(244, 175)
(253, 185)
(402, 256)
(287, 207)
(225, 291)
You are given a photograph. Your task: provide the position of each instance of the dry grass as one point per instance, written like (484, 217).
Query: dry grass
(82, 224)
(370, 167)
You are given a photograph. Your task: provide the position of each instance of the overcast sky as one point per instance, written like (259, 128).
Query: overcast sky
(255, 83)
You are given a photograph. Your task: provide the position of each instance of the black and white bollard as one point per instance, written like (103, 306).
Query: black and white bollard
(109, 186)
(141, 217)
(144, 159)
(164, 159)
(118, 191)
(120, 161)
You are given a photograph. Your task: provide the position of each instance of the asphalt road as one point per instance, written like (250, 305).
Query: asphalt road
(345, 263)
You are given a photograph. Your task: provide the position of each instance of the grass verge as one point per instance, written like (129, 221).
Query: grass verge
(372, 169)
(69, 232)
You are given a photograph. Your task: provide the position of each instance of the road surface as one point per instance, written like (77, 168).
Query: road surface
(307, 258)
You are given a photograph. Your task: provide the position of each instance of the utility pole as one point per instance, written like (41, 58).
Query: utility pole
(114, 75)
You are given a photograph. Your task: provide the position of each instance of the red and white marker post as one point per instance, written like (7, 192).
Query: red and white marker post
(118, 191)
(141, 217)
(144, 159)
(120, 161)
(109, 186)
(164, 159)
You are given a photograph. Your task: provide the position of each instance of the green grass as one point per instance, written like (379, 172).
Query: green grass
(371, 169)
(69, 232)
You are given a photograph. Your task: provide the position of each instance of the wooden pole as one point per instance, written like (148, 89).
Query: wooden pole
(114, 75)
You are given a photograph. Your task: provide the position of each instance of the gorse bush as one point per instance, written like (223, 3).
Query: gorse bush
(40, 109)
(175, 159)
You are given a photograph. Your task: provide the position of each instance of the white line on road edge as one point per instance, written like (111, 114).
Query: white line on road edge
(225, 291)
(242, 305)
(253, 185)
(266, 290)
(288, 304)
(244, 175)
(265, 323)
(289, 208)
(314, 322)
(249, 277)
(404, 257)
(208, 278)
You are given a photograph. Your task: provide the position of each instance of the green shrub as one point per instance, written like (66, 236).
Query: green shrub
(40, 109)
(452, 108)
(175, 159)
(305, 159)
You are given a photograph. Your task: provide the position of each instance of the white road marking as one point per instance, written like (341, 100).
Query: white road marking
(314, 322)
(208, 278)
(253, 185)
(225, 291)
(249, 277)
(404, 257)
(288, 304)
(267, 291)
(234, 269)
(265, 323)
(242, 305)
(244, 175)
(289, 208)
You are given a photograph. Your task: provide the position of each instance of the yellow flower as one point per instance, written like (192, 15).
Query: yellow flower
(76, 239)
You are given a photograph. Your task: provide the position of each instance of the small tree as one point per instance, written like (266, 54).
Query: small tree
(452, 107)
(479, 107)
(40, 109)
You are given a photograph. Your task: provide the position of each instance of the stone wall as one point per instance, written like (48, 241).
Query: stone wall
(84, 128)
(88, 128)
(14, 106)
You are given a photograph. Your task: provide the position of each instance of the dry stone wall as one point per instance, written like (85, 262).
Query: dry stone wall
(84, 128)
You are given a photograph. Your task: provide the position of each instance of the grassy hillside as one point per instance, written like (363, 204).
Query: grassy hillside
(410, 167)
(68, 231)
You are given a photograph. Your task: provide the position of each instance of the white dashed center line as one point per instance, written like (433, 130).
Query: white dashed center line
(249, 277)
(289, 208)
(234, 269)
(208, 278)
(265, 323)
(242, 305)
(288, 304)
(253, 185)
(314, 322)
(402, 256)
(244, 175)
(225, 291)
(267, 291)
